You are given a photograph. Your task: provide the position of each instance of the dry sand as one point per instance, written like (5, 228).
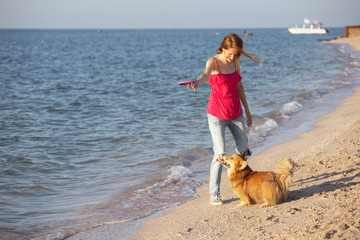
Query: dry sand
(354, 42)
(323, 202)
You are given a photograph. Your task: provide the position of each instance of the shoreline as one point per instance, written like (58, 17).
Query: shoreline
(322, 202)
(354, 42)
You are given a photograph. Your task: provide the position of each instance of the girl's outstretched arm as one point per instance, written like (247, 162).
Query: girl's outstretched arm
(204, 77)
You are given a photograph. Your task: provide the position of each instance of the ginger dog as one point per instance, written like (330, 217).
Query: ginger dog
(255, 187)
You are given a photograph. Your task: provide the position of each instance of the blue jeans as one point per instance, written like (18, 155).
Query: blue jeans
(217, 129)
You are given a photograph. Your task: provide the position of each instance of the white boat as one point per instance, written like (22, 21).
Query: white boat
(308, 27)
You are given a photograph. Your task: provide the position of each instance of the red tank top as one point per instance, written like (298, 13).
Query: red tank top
(224, 101)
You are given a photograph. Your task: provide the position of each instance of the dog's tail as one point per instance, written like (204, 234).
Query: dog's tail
(285, 171)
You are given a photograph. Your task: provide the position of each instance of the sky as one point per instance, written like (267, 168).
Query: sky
(145, 14)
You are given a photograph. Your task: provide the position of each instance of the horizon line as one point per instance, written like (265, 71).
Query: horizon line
(138, 29)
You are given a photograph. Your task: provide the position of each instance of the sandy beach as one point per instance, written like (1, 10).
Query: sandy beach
(323, 202)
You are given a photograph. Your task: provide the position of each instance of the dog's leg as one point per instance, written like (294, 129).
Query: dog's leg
(245, 201)
(243, 204)
(265, 204)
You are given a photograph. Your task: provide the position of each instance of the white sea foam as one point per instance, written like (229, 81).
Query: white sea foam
(179, 178)
(178, 174)
(263, 129)
(339, 82)
(269, 125)
(341, 48)
(291, 107)
(355, 64)
(258, 133)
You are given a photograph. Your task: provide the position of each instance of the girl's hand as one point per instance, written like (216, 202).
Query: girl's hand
(194, 84)
(249, 120)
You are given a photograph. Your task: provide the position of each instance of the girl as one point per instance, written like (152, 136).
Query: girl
(224, 108)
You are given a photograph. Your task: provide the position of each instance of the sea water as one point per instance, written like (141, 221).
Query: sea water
(94, 129)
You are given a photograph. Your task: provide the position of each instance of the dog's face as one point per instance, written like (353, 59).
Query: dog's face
(235, 161)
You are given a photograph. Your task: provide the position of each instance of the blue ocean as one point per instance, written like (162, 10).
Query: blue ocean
(94, 129)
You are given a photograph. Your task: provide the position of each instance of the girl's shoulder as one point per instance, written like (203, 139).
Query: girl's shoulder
(213, 64)
(213, 60)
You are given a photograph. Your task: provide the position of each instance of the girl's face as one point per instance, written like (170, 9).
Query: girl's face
(230, 54)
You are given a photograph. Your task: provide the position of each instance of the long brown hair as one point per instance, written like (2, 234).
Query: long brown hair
(232, 40)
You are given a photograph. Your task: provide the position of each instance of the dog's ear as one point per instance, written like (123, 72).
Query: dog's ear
(221, 156)
(243, 165)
